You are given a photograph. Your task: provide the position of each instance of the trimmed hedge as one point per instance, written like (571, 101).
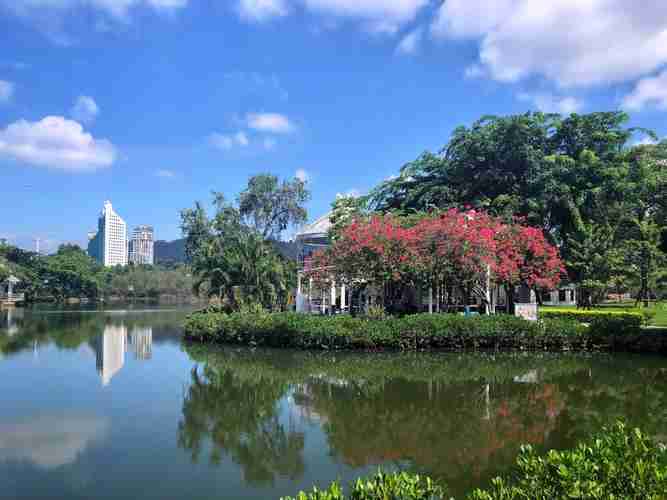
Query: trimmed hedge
(590, 316)
(618, 463)
(419, 331)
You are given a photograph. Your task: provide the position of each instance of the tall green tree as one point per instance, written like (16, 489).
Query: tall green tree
(231, 254)
(70, 272)
(271, 206)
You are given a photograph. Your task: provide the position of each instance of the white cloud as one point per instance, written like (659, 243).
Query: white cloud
(165, 173)
(221, 141)
(115, 8)
(241, 139)
(410, 42)
(650, 90)
(474, 71)
(571, 42)
(50, 441)
(378, 15)
(302, 175)
(85, 109)
(228, 141)
(6, 90)
(262, 10)
(549, 103)
(269, 122)
(55, 142)
(269, 143)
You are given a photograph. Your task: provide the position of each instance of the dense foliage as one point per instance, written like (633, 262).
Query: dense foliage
(71, 273)
(382, 486)
(598, 198)
(618, 462)
(462, 251)
(232, 254)
(414, 332)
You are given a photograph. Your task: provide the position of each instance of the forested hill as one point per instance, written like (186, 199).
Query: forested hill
(174, 251)
(169, 251)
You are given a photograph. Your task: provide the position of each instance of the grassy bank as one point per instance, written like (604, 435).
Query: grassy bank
(619, 462)
(416, 332)
(654, 315)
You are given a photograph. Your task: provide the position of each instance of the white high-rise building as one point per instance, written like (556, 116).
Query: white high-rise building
(141, 245)
(109, 245)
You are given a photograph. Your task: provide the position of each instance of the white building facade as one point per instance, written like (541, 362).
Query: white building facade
(109, 245)
(142, 245)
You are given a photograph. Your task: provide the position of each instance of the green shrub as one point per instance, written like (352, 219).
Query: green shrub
(610, 326)
(587, 316)
(618, 463)
(382, 486)
(419, 331)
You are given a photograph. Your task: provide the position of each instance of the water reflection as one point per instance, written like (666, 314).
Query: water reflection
(241, 419)
(11, 320)
(50, 441)
(110, 348)
(459, 418)
(198, 422)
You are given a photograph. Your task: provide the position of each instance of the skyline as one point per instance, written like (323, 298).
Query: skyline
(154, 103)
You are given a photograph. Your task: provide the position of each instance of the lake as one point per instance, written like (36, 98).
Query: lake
(112, 405)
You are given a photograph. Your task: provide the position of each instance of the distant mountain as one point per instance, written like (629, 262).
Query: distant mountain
(169, 252)
(173, 252)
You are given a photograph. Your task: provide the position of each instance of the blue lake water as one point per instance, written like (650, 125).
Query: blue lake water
(113, 405)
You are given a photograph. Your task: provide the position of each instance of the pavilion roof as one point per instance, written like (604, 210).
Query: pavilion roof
(319, 227)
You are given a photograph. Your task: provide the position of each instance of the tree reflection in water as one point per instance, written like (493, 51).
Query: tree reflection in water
(459, 418)
(240, 417)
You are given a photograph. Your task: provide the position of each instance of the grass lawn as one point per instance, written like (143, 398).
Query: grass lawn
(660, 308)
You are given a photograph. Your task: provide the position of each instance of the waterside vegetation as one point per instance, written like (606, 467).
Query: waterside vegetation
(618, 462)
(619, 332)
(70, 273)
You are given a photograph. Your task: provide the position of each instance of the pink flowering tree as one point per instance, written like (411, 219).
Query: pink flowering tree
(445, 251)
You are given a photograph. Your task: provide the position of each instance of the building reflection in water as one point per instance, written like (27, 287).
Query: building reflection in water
(141, 340)
(11, 319)
(111, 346)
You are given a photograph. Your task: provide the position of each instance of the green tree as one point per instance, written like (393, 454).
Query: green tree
(231, 254)
(271, 206)
(563, 174)
(70, 272)
(593, 262)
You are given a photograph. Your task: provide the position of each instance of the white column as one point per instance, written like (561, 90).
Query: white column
(333, 295)
(430, 300)
(310, 291)
(323, 304)
(298, 283)
(488, 290)
(342, 297)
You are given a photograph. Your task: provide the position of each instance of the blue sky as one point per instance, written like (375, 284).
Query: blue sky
(154, 103)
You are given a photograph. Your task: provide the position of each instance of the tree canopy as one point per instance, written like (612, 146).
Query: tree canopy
(231, 253)
(575, 177)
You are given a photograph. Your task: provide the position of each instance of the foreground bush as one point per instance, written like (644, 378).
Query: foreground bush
(619, 463)
(420, 331)
(399, 486)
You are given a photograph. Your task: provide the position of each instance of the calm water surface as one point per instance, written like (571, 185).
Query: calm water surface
(112, 405)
